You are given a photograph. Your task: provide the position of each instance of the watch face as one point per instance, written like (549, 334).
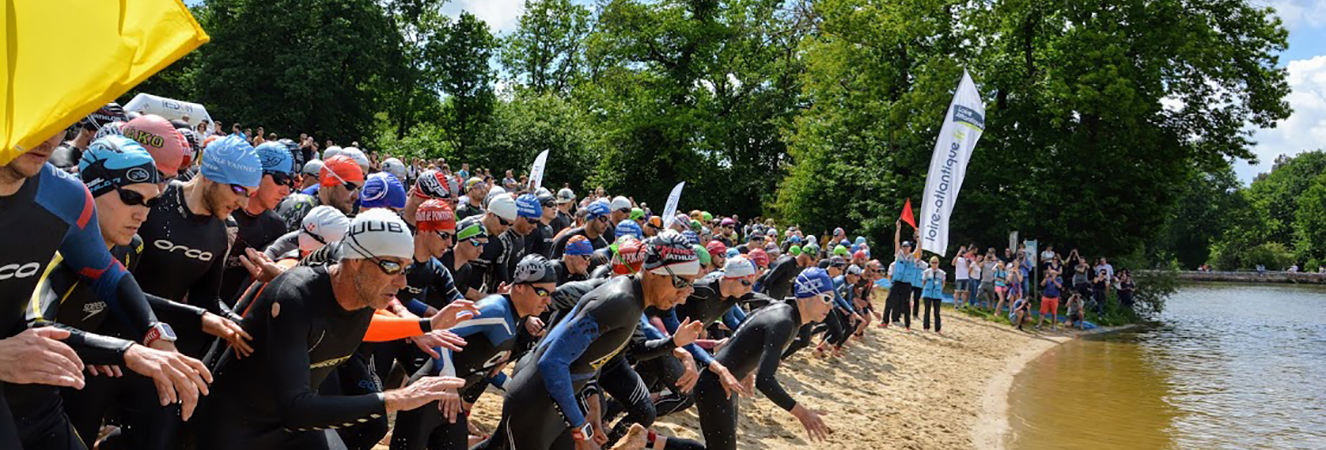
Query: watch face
(167, 332)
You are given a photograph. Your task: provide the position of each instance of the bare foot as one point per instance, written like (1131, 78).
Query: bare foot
(635, 439)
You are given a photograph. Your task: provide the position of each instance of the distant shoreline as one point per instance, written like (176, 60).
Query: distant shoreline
(1252, 277)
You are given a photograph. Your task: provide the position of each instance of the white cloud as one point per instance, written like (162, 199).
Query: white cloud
(1305, 129)
(1299, 13)
(501, 15)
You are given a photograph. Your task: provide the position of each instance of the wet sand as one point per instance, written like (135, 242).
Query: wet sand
(891, 390)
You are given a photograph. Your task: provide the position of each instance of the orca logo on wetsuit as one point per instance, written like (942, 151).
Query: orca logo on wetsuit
(499, 358)
(189, 252)
(19, 270)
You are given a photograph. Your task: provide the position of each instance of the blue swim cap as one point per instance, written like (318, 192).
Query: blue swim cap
(691, 237)
(860, 239)
(733, 252)
(628, 227)
(527, 205)
(382, 190)
(116, 161)
(275, 157)
(812, 282)
(598, 208)
(794, 239)
(854, 248)
(578, 247)
(231, 160)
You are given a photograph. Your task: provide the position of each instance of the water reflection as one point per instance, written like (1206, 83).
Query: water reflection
(1231, 366)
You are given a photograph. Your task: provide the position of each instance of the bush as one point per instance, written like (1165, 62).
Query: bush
(1273, 255)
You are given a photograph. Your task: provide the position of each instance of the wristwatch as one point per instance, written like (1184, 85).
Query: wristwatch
(583, 433)
(160, 331)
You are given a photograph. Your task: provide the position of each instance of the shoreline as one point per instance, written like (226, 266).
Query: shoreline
(892, 390)
(991, 428)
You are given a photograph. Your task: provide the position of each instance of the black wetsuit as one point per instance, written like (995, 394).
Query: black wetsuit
(53, 211)
(595, 331)
(777, 282)
(256, 232)
(559, 244)
(561, 222)
(270, 400)
(490, 266)
(464, 277)
(516, 249)
(563, 275)
(539, 241)
(489, 341)
(756, 346)
(467, 210)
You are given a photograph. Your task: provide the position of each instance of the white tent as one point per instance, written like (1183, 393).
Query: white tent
(169, 108)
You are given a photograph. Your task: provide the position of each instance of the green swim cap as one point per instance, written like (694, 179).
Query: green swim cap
(695, 225)
(637, 213)
(470, 227)
(841, 251)
(705, 259)
(707, 217)
(794, 250)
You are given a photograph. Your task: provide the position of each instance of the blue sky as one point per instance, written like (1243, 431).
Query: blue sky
(1305, 59)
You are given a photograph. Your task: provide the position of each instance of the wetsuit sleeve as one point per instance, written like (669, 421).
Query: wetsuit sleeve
(299, 406)
(92, 348)
(770, 356)
(559, 245)
(174, 308)
(444, 283)
(647, 342)
(734, 317)
(416, 307)
(555, 364)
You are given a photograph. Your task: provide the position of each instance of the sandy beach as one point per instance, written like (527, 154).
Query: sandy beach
(891, 390)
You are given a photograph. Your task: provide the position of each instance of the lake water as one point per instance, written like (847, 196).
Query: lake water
(1228, 367)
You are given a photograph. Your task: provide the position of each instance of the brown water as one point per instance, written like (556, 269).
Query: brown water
(1228, 367)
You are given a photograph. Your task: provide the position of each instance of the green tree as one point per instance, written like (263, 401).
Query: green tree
(461, 59)
(546, 51)
(1310, 222)
(311, 66)
(529, 124)
(1207, 206)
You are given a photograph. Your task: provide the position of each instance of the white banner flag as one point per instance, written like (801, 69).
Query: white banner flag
(670, 209)
(962, 127)
(536, 171)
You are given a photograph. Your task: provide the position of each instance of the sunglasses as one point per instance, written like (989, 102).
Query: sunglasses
(133, 198)
(282, 179)
(541, 292)
(241, 190)
(602, 218)
(502, 221)
(679, 282)
(445, 236)
(826, 298)
(387, 267)
(746, 283)
(531, 221)
(624, 210)
(475, 242)
(351, 186)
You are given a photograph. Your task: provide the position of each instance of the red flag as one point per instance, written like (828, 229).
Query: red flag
(907, 214)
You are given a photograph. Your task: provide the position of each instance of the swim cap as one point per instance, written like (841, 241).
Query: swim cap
(110, 129)
(231, 160)
(838, 231)
(534, 268)
(275, 157)
(312, 168)
(727, 221)
(620, 203)
(671, 251)
(837, 261)
(695, 225)
(191, 139)
(159, 138)
(732, 252)
(503, 206)
(115, 161)
(691, 237)
(358, 156)
(377, 233)
(794, 239)
(840, 250)
(578, 246)
(470, 227)
(382, 190)
(431, 184)
(655, 221)
(738, 267)
(759, 257)
(705, 258)
(496, 191)
(854, 270)
(472, 182)
(860, 239)
(637, 213)
(565, 195)
(330, 152)
(339, 170)
(546, 199)
(527, 205)
(860, 254)
(812, 282)
(755, 235)
(598, 208)
(707, 217)
(434, 215)
(628, 227)
(628, 256)
(794, 250)
(812, 239)
(110, 113)
(322, 225)
(716, 247)
(395, 167)
(810, 250)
